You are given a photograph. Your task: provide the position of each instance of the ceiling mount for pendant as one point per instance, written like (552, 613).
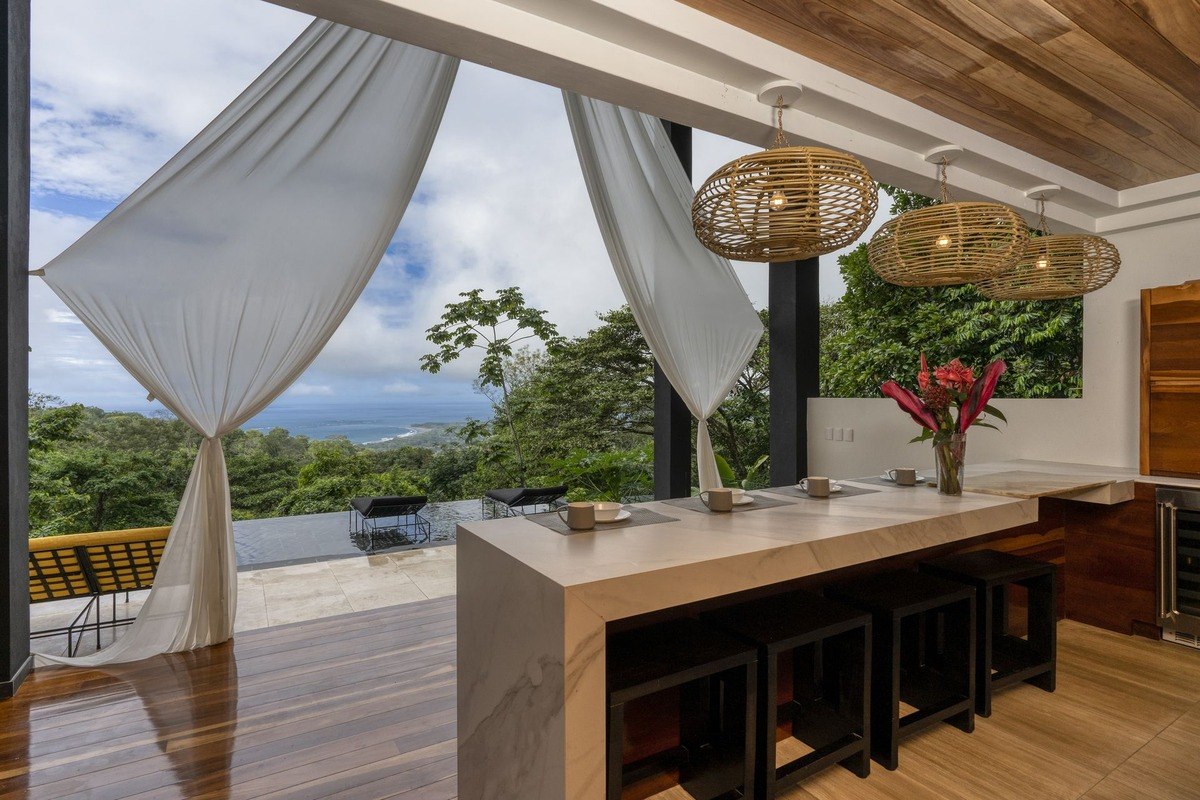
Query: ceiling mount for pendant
(1043, 192)
(784, 203)
(943, 152)
(780, 93)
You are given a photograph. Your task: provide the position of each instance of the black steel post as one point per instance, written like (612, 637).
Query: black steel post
(672, 420)
(795, 327)
(14, 294)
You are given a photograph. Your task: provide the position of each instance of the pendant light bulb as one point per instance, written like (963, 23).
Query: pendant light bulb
(778, 200)
(943, 241)
(1043, 262)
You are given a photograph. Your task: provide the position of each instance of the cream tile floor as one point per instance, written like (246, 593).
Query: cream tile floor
(294, 593)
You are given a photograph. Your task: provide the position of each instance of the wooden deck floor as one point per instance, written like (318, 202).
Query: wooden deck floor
(362, 707)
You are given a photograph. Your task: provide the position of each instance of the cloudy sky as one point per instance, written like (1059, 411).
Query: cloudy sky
(120, 85)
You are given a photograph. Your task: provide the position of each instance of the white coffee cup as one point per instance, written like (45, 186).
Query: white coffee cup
(816, 486)
(903, 476)
(607, 511)
(717, 499)
(579, 516)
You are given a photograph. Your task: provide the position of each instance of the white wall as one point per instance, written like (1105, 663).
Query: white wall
(1101, 428)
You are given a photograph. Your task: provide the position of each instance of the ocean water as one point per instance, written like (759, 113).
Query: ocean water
(365, 423)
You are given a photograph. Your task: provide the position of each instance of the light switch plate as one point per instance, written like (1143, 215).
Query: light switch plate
(849, 434)
(838, 434)
(829, 434)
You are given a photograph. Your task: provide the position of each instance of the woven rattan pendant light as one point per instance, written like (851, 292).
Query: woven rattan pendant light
(784, 203)
(1056, 266)
(948, 243)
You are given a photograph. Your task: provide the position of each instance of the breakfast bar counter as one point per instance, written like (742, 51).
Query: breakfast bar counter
(535, 606)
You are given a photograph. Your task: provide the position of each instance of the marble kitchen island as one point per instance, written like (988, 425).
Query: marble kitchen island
(535, 607)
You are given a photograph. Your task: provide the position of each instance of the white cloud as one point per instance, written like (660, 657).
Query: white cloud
(401, 387)
(119, 86)
(57, 316)
(302, 389)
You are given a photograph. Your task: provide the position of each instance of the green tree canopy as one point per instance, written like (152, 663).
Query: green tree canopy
(496, 326)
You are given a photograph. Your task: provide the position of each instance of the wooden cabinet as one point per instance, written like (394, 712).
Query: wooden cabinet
(1170, 427)
(1110, 564)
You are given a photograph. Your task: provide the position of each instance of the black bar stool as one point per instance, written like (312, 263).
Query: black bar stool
(716, 675)
(923, 654)
(1003, 659)
(826, 692)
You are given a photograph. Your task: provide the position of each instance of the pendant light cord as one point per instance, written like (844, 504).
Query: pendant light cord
(781, 139)
(943, 186)
(1043, 226)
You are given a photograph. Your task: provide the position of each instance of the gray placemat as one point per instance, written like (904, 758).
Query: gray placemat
(760, 502)
(847, 491)
(637, 518)
(875, 480)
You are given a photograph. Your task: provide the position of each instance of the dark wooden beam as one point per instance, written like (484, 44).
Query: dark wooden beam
(14, 296)
(794, 305)
(672, 420)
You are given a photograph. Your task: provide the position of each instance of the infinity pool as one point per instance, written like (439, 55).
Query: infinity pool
(321, 537)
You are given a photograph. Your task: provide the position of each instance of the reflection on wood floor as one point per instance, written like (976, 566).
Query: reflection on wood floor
(358, 706)
(362, 707)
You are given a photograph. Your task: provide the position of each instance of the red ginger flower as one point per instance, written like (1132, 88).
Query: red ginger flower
(936, 397)
(923, 375)
(955, 376)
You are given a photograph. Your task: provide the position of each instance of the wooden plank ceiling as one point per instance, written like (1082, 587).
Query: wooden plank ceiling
(1109, 89)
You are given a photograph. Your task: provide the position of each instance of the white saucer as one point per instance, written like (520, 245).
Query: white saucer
(621, 516)
(834, 488)
(744, 501)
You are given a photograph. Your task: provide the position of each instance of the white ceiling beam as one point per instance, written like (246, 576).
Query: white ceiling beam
(670, 60)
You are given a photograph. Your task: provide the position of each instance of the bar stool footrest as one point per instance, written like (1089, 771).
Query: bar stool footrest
(832, 735)
(1014, 660)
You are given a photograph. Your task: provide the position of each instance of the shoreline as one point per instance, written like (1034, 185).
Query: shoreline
(413, 430)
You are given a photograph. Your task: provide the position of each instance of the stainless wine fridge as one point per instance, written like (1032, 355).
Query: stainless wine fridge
(1179, 565)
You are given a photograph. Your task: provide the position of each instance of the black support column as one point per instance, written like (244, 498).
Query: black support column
(795, 319)
(672, 420)
(14, 294)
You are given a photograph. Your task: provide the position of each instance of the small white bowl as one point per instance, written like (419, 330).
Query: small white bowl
(607, 512)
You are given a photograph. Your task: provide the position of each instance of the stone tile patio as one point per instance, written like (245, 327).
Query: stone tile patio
(293, 593)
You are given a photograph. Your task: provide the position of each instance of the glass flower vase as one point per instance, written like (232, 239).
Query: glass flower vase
(950, 456)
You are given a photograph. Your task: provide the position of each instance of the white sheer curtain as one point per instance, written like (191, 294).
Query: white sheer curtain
(219, 280)
(688, 303)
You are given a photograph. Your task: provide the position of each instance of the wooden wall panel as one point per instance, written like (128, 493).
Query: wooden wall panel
(1170, 380)
(1110, 558)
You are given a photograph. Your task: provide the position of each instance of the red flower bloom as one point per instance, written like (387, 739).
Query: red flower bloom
(923, 375)
(909, 402)
(955, 376)
(980, 393)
